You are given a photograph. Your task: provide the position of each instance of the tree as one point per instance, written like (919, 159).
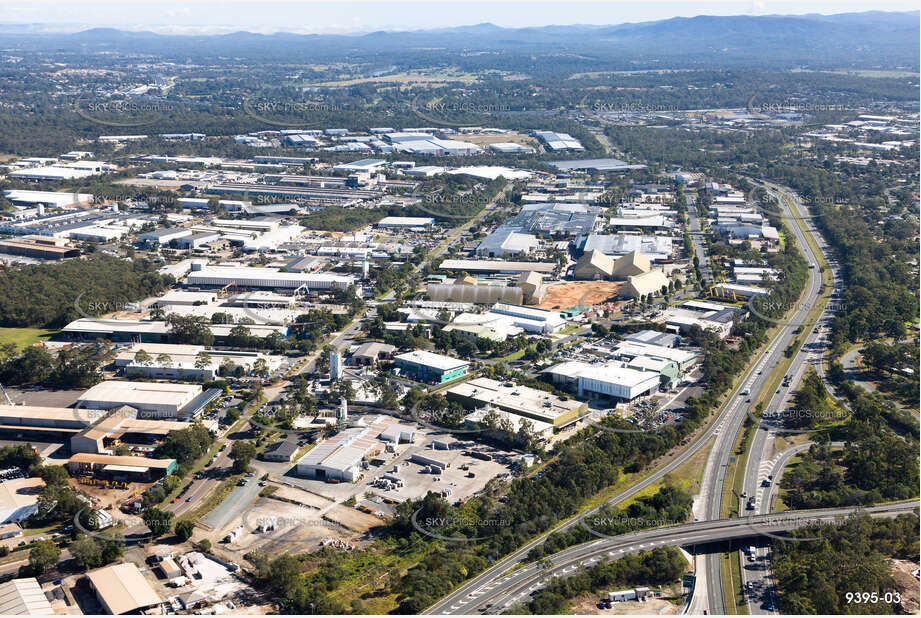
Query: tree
(202, 360)
(204, 545)
(242, 453)
(86, 551)
(141, 357)
(159, 521)
(184, 529)
(164, 359)
(42, 555)
(261, 368)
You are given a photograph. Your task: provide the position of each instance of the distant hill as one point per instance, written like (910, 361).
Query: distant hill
(882, 40)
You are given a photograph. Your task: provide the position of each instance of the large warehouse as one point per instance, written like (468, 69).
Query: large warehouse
(266, 278)
(339, 458)
(152, 399)
(151, 331)
(19, 498)
(613, 379)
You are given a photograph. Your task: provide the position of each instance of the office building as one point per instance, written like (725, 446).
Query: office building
(430, 367)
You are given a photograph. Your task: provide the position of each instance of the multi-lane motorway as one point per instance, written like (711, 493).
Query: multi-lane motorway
(709, 596)
(512, 588)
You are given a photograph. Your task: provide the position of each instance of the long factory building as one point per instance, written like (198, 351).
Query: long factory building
(265, 278)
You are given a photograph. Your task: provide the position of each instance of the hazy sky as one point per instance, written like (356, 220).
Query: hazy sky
(308, 17)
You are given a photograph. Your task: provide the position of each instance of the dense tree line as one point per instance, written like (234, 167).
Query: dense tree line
(51, 295)
(814, 576)
(658, 567)
(74, 367)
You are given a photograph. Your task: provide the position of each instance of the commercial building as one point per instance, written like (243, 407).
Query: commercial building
(266, 278)
(122, 589)
(24, 597)
(372, 352)
(612, 379)
(521, 400)
(733, 291)
(19, 499)
(430, 367)
(151, 399)
(478, 419)
(531, 319)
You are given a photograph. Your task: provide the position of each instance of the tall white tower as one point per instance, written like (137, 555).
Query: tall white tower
(335, 366)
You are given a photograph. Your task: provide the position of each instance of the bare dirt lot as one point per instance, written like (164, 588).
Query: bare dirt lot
(564, 295)
(588, 606)
(907, 585)
(484, 140)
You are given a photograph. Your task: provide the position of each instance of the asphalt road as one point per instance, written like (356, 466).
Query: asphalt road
(710, 596)
(759, 463)
(501, 593)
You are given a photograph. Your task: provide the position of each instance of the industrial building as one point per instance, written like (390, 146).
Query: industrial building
(596, 165)
(531, 319)
(497, 266)
(651, 282)
(151, 331)
(19, 498)
(181, 297)
(24, 597)
(164, 236)
(521, 400)
(653, 337)
(38, 247)
(122, 589)
(612, 379)
(120, 467)
(705, 315)
(615, 245)
(555, 219)
(185, 361)
(339, 457)
(49, 199)
(507, 241)
(406, 222)
(555, 142)
(429, 367)
(151, 399)
(266, 278)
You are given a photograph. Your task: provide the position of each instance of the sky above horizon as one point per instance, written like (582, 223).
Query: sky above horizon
(202, 16)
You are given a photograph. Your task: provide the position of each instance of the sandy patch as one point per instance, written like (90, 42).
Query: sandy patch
(565, 295)
(907, 585)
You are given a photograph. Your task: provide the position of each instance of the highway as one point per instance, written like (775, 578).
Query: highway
(759, 464)
(502, 593)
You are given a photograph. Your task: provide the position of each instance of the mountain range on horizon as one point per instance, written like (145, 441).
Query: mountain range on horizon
(874, 39)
